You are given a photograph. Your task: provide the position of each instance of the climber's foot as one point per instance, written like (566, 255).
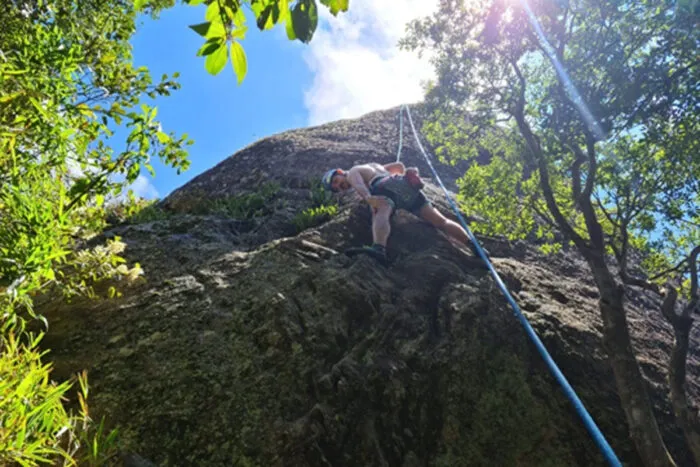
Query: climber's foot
(373, 251)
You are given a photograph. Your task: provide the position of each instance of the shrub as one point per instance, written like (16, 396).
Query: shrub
(42, 430)
(319, 195)
(135, 210)
(246, 206)
(312, 217)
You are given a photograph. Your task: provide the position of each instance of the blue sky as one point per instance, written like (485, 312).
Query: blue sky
(351, 67)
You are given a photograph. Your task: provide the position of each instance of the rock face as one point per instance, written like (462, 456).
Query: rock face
(258, 345)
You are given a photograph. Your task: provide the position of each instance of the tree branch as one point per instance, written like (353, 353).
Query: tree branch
(535, 155)
(694, 297)
(647, 285)
(669, 303)
(606, 213)
(576, 174)
(667, 271)
(624, 240)
(592, 166)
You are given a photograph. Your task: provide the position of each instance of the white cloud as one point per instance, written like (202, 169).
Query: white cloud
(356, 62)
(143, 188)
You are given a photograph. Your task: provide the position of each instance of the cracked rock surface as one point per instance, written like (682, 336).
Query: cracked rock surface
(262, 346)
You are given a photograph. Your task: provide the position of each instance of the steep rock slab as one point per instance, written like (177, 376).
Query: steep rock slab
(296, 355)
(260, 346)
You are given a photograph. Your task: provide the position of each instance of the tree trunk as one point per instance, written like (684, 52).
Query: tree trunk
(685, 416)
(631, 387)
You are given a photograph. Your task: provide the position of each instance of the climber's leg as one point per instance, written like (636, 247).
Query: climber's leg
(381, 228)
(451, 228)
(381, 223)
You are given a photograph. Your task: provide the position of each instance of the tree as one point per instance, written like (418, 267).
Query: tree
(66, 81)
(599, 100)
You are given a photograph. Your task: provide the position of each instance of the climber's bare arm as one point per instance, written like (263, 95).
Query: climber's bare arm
(356, 179)
(395, 168)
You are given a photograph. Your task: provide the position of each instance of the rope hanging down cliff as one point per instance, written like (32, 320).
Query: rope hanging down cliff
(590, 425)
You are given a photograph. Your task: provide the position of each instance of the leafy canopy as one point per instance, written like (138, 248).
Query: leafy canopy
(523, 96)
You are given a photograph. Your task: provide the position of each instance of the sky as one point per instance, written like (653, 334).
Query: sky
(351, 67)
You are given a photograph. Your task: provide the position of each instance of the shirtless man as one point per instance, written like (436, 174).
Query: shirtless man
(387, 188)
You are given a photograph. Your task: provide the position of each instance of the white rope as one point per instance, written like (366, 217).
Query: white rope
(398, 155)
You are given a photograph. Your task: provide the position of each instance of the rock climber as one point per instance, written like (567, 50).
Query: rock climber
(387, 188)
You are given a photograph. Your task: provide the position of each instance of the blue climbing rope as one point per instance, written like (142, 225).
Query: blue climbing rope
(592, 428)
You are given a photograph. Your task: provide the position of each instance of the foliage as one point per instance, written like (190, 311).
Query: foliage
(582, 97)
(319, 196)
(36, 428)
(87, 267)
(29, 401)
(244, 206)
(67, 82)
(58, 77)
(135, 211)
(312, 217)
(323, 206)
(225, 25)
(499, 190)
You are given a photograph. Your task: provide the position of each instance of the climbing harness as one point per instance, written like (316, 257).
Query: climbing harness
(399, 191)
(590, 425)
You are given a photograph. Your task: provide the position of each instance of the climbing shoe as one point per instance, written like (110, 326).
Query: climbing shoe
(375, 251)
(413, 178)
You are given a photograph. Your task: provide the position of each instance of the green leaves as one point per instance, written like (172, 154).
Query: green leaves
(225, 20)
(215, 52)
(239, 61)
(304, 20)
(31, 405)
(210, 46)
(268, 16)
(216, 60)
(213, 12)
(336, 5)
(66, 186)
(209, 29)
(314, 216)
